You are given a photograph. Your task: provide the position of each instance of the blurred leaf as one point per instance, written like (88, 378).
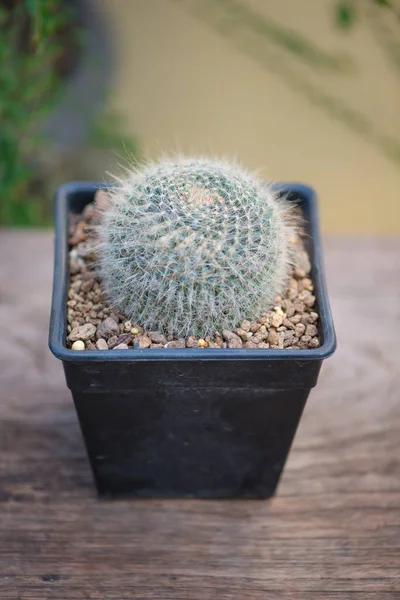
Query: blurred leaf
(345, 14)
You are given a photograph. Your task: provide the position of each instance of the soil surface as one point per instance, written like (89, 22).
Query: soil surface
(291, 323)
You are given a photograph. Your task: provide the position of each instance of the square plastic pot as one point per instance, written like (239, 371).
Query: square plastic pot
(204, 423)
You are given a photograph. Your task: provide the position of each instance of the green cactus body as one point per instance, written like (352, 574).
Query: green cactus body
(189, 246)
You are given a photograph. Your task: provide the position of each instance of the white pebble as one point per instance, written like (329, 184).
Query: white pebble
(78, 345)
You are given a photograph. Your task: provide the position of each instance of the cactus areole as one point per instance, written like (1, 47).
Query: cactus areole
(191, 245)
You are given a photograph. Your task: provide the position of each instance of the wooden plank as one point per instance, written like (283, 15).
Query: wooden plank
(333, 531)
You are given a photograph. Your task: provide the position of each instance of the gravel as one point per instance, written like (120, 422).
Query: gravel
(292, 323)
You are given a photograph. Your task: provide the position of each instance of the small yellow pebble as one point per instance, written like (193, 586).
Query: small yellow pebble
(78, 345)
(293, 240)
(202, 343)
(278, 310)
(134, 331)
(263, 328)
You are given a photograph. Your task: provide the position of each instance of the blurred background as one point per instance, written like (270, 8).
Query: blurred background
(299, 90)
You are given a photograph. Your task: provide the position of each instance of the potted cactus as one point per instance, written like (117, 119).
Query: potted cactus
(191, 315)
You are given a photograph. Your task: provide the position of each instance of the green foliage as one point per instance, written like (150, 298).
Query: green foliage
(346, 11)
(28, 85)
(189, 245)
(33, 34)
(345, 14)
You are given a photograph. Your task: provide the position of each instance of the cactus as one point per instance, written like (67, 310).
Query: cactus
(191, 245)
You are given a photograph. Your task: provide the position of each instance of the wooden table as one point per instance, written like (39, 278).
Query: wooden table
(333, 531)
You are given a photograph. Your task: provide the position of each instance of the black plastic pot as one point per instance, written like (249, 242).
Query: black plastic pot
(205, 423)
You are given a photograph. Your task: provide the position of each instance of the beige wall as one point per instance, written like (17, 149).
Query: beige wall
(189, 77)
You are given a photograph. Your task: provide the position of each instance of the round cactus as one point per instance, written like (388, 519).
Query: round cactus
(189, 246)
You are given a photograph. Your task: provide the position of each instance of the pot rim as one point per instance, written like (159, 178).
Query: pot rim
(60, 291)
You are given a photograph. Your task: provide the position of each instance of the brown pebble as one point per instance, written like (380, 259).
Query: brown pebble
(245, 335)
(276, 320)
(299, 329)
(181, 343)
(299, 307)
(143, 341)
(254, 326)
(101, 344)
(121, 347)
(83, 332)
(263, 345)
(309, 301)
(232, 339)
(288, 324)
(213, 345)
(250, 344)
(245, 325)
(313, 317)
(157, 337)
(107, 328)
(314, 343)
(273, 337)
(290, 341)
(311, 330)
(191, 342)
(112, 341)
(305, 338)
(305, 318)
(157, 346)
(90, 346)
(115, 317)
(288, 308)
(295, 319)
(125, 338)
(260, 336)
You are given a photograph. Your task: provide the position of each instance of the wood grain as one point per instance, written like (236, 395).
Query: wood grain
(333, 530)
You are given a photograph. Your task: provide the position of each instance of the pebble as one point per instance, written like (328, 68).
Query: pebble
(83, 332)
(311, 330)
(157, 338)
(245, 335)
(263, 345)
(78, 345)
(254, 326)
(232, 339)
(250, 344)
(299, 329)
(107, 328)
(121, 347)
(176, 344)
(245, 325)
(143, 342)
(290, 323)
(113, 340)
(101, 344)
(273, 337)
(276, 320)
